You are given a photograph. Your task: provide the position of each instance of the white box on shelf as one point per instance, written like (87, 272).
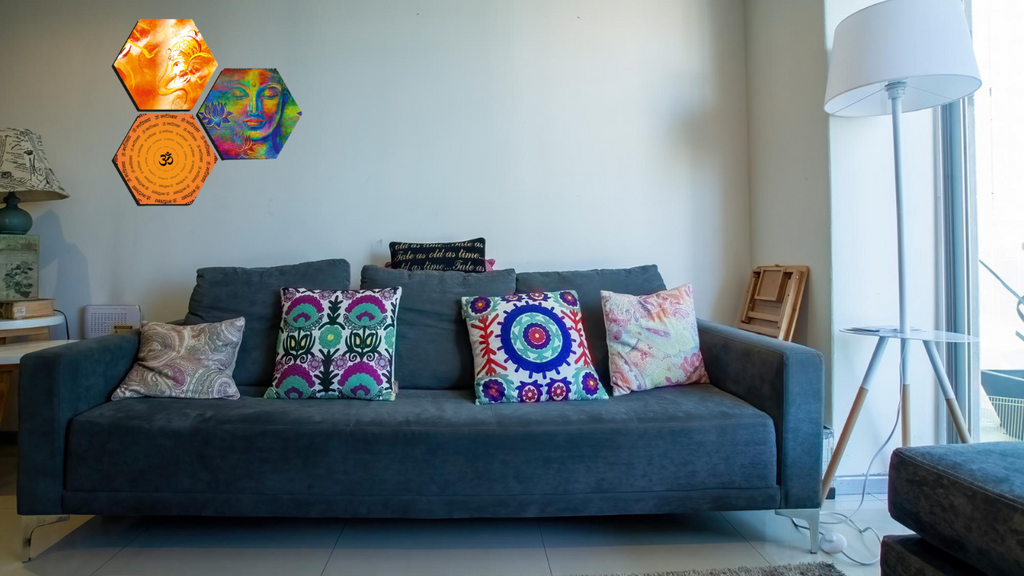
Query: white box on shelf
(104, 320)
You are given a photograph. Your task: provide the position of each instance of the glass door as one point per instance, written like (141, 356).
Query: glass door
(997, 126)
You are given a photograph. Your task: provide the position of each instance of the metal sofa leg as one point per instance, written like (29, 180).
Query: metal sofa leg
(29, 525)
(811, 516)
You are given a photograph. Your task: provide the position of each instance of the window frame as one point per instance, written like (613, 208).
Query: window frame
(958, 258)
(958, 225)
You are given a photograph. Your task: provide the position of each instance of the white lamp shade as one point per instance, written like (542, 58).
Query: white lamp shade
(24, 169)
(925, 43)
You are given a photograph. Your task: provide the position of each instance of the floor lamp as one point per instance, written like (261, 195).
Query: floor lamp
(889, 58)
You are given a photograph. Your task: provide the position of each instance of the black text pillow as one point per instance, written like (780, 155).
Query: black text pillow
(465, 256)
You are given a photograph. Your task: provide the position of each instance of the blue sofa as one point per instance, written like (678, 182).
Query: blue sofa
(749, 440)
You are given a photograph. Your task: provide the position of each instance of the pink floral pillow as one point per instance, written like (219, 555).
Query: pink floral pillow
(652, 340)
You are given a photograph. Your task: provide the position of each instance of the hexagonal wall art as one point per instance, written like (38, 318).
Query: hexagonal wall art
(165, 159)
(165, 65)
(249, 113)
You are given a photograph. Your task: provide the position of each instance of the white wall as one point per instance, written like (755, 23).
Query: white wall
(864, 267)
(789, 183)
(569, 133)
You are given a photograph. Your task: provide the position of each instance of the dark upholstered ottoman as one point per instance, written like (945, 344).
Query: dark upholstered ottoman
(911, 555)
(966, 502)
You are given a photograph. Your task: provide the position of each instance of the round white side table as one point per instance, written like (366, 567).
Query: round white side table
(36, 332)
(928, 338)
(30, 328)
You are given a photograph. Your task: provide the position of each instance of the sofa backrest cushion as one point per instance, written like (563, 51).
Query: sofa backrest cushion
(255, 294)
(638, 281)
(432, 349)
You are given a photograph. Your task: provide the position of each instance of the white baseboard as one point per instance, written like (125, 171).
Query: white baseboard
(851, 485)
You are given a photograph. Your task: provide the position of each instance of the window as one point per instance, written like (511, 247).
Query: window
(997, 125)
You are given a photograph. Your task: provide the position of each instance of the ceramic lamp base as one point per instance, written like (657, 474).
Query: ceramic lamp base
(14, 220)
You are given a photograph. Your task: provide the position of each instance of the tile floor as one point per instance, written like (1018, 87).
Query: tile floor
(112, 546)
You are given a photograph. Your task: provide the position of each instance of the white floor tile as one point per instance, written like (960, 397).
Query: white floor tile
(443, 547)
(227, 546)
(780, 542)
(608, 545)
(478, 547)
(78, 546)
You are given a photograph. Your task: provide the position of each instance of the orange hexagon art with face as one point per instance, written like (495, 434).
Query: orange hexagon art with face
(165, 64)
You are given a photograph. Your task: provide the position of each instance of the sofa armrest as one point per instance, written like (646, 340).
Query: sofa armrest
(787, 382)
(56, 385)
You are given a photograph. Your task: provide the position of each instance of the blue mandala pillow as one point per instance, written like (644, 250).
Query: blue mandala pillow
(530, 348)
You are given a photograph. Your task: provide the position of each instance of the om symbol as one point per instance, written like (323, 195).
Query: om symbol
(165, 159)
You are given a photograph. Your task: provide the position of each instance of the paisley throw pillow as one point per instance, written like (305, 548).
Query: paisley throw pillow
(652, 340)
(530, 348)
(184, 361)
(336, 344)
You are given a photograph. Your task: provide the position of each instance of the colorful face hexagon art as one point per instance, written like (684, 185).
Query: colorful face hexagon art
(249, 113)
(165, 64)
(165, 159)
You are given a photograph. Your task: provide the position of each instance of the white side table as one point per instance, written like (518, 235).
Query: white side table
(30, 328)
(37, 333)
(885, 333)
(10, 364)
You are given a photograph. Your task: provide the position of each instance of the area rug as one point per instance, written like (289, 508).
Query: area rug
(816, 569)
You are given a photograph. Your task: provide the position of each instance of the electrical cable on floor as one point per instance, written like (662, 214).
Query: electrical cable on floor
(848, 518)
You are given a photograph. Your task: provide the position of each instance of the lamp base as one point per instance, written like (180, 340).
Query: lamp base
(14, 220)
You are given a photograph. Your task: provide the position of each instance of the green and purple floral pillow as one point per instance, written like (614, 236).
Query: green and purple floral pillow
(530, 348)
(336, 344)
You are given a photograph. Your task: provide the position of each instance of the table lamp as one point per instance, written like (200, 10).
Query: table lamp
(25, 175)
(893, 57)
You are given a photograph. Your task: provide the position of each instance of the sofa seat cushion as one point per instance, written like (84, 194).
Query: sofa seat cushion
(965, 499)
(425, 443)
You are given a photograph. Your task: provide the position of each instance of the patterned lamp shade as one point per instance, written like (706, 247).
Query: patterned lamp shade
(24, 169)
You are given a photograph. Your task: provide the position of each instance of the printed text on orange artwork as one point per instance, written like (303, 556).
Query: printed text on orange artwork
(165, 158)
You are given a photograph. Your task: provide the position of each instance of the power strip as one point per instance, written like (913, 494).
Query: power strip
(105, 320)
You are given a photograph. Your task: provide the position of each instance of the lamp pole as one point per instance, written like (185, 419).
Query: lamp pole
(895, 91)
